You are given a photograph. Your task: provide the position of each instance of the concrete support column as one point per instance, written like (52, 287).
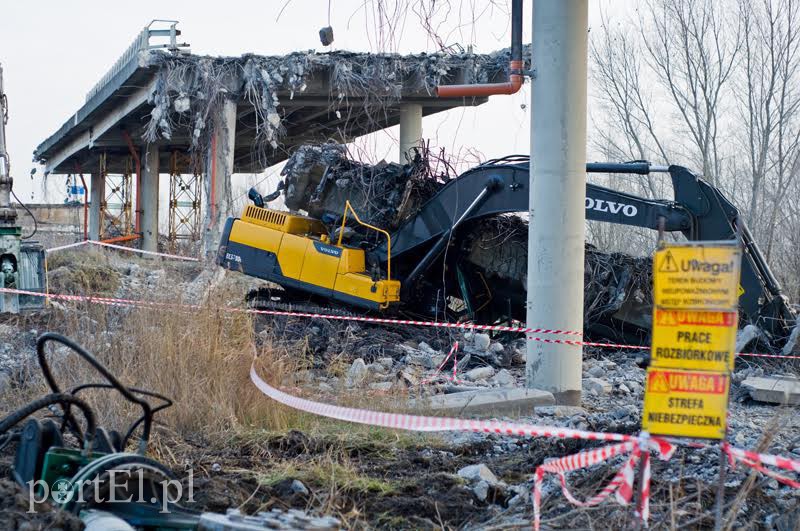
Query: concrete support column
(149, 198)
(97, 187)
(557, 193)
(410, 128)
(219, 168)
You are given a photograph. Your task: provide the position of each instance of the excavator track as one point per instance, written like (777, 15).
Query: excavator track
(281, 300)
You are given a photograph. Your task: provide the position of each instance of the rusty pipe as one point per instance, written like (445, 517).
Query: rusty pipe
(514, 82)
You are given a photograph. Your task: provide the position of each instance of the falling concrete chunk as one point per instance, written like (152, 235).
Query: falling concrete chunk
(775, 390)
(495, 401)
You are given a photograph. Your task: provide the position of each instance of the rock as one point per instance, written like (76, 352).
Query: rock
(357, 373)
(481, 490)
(624, 388)
(497, 348)
(479, 472)
(426, 348)
(216, 467)
(298, 488)
(560, 411)
(381, 386)
(479, 373)
(597, 386)
(596, 371)
(376, 368)
(387, 363)
(481, 342)
(504, 378)
(746, 335)
(324, 387)
(422, 359)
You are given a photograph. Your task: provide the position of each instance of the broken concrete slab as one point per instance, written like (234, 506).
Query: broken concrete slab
(508, 400)
(775, 390)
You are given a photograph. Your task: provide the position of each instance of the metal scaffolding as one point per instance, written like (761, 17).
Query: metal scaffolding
(185, 191)
(116, 213)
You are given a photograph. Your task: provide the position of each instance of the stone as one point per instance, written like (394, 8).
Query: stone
(560, 411)
(774, 389)
(479, 472)
(481, 490)
(504, 378)
(298, 488)
(381, 386)
(481, 342)
(376, 368)
(497, 348)
(357, 373)
(479, 373)
(426, 348)
(596, 371)
(422, 359)
(387, 363)
(624, 388)
(497, 400)
(597, 386)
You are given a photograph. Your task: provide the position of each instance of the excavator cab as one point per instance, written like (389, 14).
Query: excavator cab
(297, 252)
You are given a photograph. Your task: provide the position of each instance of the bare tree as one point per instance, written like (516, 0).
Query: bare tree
(692, 48)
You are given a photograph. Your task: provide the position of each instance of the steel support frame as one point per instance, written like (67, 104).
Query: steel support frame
(116, 212)
(185, 193)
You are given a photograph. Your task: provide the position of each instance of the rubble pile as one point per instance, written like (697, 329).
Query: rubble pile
(320, 178)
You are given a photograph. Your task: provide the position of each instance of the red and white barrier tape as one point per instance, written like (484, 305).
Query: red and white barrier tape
(122, 248)
(420, 423)
(378, 320)
(454, 378)
(621, 485)
(758, 461)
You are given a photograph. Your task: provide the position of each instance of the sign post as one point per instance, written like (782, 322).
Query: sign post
(695, 318)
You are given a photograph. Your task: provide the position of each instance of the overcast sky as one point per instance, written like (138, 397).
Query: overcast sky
(53, 52)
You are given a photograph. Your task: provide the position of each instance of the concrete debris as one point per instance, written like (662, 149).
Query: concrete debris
(299, 488)
(504, 378)
(596, 386)
(479, 373)
(481, 341)
(357, 373)
(479, 472)
(195, 85)
(775, 390)
(793, 344)
(746, 335)
(511, 401)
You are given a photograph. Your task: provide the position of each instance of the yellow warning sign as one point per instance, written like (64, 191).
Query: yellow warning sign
(697, 277)
(685, 403)
(688, 339)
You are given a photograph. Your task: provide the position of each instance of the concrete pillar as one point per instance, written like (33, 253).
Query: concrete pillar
(410, 128)
(219, 168)
(149, 198)
(557, 193)
(97, 187)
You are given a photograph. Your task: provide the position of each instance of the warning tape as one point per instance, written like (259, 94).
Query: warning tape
(122, 248)
(454, 378)
(621, 485)
(464, 326)
(757, 461)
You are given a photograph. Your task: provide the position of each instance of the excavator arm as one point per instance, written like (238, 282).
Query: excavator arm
(699, 211)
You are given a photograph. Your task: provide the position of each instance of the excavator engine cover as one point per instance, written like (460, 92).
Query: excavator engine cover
(295, 252)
